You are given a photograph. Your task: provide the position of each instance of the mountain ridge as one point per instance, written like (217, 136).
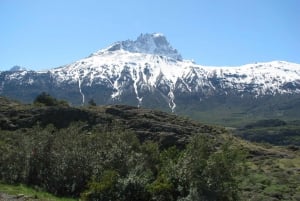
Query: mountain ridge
(147, 73)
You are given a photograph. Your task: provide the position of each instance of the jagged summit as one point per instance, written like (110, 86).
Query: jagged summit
(155, 43)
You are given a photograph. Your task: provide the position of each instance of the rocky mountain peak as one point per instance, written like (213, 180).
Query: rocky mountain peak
(155, 43)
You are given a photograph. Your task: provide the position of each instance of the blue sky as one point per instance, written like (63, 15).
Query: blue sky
(42, 34)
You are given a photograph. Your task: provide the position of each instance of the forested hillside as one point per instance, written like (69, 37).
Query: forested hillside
(128, 153)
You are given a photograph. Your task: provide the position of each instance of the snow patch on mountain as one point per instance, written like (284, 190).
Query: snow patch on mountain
(149, 71)
(150, 64)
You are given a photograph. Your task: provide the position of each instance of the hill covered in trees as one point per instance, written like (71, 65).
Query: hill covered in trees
(127, 153)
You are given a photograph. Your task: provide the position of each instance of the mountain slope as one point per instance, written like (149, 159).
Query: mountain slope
(149, 72)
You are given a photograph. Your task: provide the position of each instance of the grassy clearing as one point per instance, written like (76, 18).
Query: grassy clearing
(27, 191)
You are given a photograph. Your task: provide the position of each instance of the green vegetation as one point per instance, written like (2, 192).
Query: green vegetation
(30, 193)
(47, 100)
(126, 153)
(111, 164)
(235, 111)
(273, 172)
(273, 131)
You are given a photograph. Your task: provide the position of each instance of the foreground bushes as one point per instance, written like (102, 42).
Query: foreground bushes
(111, 164)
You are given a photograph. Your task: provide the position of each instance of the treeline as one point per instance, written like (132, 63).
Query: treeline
(112, 164)
(272, 131)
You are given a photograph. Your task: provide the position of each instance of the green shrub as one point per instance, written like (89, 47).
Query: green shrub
(211, 172)
(161, 189)
(47, 100)
(103, 190)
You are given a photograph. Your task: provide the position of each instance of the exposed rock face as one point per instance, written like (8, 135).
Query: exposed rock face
(156, 44)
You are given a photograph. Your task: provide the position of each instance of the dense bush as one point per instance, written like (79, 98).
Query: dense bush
(111, 164)
(47, 100)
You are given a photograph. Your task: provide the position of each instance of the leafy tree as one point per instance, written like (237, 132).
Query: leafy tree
(210, 171)
(12, 157)
(47, 100)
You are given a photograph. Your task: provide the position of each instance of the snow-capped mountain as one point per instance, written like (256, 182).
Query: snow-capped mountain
(156, 44)
(149, 72)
